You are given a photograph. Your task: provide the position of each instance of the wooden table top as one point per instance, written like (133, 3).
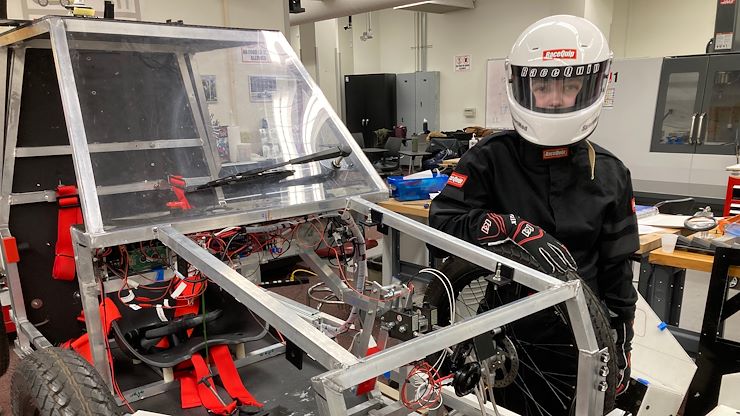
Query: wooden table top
(420, 208)
(687, 260)
(449, 162)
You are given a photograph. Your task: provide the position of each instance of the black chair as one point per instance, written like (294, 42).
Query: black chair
(390, 163)
(359, 139)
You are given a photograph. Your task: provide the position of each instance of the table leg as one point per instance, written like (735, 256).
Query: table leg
(662, 288)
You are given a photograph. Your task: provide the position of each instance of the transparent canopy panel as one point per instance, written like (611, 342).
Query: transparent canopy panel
(166, 109)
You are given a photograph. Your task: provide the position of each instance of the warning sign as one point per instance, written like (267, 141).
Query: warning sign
(723, 41)
(462, 63)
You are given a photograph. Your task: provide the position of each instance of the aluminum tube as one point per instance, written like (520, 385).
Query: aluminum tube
(432, 342)
(327, 352)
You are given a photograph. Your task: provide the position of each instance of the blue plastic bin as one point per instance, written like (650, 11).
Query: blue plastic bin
(413, 189)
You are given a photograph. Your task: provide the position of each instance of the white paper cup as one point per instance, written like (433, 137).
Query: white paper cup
(668, 242)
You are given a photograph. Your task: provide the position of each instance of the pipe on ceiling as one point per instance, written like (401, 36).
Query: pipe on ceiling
(330, 9)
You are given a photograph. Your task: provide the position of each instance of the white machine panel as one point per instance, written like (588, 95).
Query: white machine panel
(626, 127)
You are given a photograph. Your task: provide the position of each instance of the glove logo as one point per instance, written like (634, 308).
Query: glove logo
(486, 227)
(527, 230)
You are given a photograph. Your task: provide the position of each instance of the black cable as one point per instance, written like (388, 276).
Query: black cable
(226, 250)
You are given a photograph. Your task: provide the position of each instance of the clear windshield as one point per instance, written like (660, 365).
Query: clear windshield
(162, 115)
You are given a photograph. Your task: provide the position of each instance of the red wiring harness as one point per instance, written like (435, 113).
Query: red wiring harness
(428, 387)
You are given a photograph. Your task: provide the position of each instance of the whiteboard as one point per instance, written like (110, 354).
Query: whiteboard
(497, 105)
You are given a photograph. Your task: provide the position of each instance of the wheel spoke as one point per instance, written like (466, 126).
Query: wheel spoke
(538, 372)
(528, 393)
(547, 368)
(565, 395)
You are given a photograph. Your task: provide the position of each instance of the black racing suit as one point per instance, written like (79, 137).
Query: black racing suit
(593, 218)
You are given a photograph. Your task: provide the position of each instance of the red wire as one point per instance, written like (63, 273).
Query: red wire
(116, 388)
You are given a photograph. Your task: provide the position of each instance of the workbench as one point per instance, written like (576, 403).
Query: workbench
(420, 208)
(661, 283)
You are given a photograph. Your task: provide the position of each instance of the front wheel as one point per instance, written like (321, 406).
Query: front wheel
(57, 382)
(535, 368)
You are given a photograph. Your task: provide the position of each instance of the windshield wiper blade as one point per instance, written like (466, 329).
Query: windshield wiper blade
(264, 176)
(338, 152)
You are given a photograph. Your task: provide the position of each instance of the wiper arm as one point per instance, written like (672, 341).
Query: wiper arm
(264, 176)
(338, 152)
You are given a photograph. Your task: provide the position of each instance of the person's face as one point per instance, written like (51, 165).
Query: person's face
(556, 93)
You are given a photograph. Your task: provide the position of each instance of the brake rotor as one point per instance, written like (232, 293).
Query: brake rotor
(504, 365)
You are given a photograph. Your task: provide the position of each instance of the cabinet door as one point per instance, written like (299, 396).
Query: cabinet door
(679, 104)
(427, 97)
(406, 101)
(354, 102)
(718, 124)
(380, 100)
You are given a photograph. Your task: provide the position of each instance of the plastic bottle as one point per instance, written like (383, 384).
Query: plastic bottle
(265, 139)
(425, 126)
(472, 142)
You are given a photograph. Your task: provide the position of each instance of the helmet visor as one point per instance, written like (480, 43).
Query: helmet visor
(558, 90)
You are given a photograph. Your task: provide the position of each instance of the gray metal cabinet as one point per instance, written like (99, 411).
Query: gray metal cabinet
(406, 101)
(417, 97)
(698, 107)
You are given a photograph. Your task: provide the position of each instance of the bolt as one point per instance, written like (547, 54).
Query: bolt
(602, 386)
(402, 329)
(37, 303)
(605, 357)
(604, 371)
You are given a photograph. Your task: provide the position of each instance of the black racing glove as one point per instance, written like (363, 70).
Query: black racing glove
(550, 253)
(623, 335)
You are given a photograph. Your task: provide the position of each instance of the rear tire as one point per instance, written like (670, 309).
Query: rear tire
(57, 382)
(4, 350)
(467, 278)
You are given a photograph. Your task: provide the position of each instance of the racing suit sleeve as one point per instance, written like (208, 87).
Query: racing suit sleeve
(462, 205)
(618, 240)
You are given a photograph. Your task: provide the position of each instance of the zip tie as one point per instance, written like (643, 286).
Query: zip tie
(178, 290)
(129, 297)
(160, 313)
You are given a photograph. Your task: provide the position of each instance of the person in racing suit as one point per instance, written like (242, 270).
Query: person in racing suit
(544, 186)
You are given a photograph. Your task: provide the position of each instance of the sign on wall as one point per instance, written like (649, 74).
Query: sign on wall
(497, 102)
(34, 9)
(255, 53)
(462, 63)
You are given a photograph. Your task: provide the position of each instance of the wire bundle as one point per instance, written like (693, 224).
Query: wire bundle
(427, 386)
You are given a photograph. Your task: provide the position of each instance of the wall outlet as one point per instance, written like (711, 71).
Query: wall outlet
(469, 112)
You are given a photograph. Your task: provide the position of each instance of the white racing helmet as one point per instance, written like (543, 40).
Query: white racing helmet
(558, 70)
